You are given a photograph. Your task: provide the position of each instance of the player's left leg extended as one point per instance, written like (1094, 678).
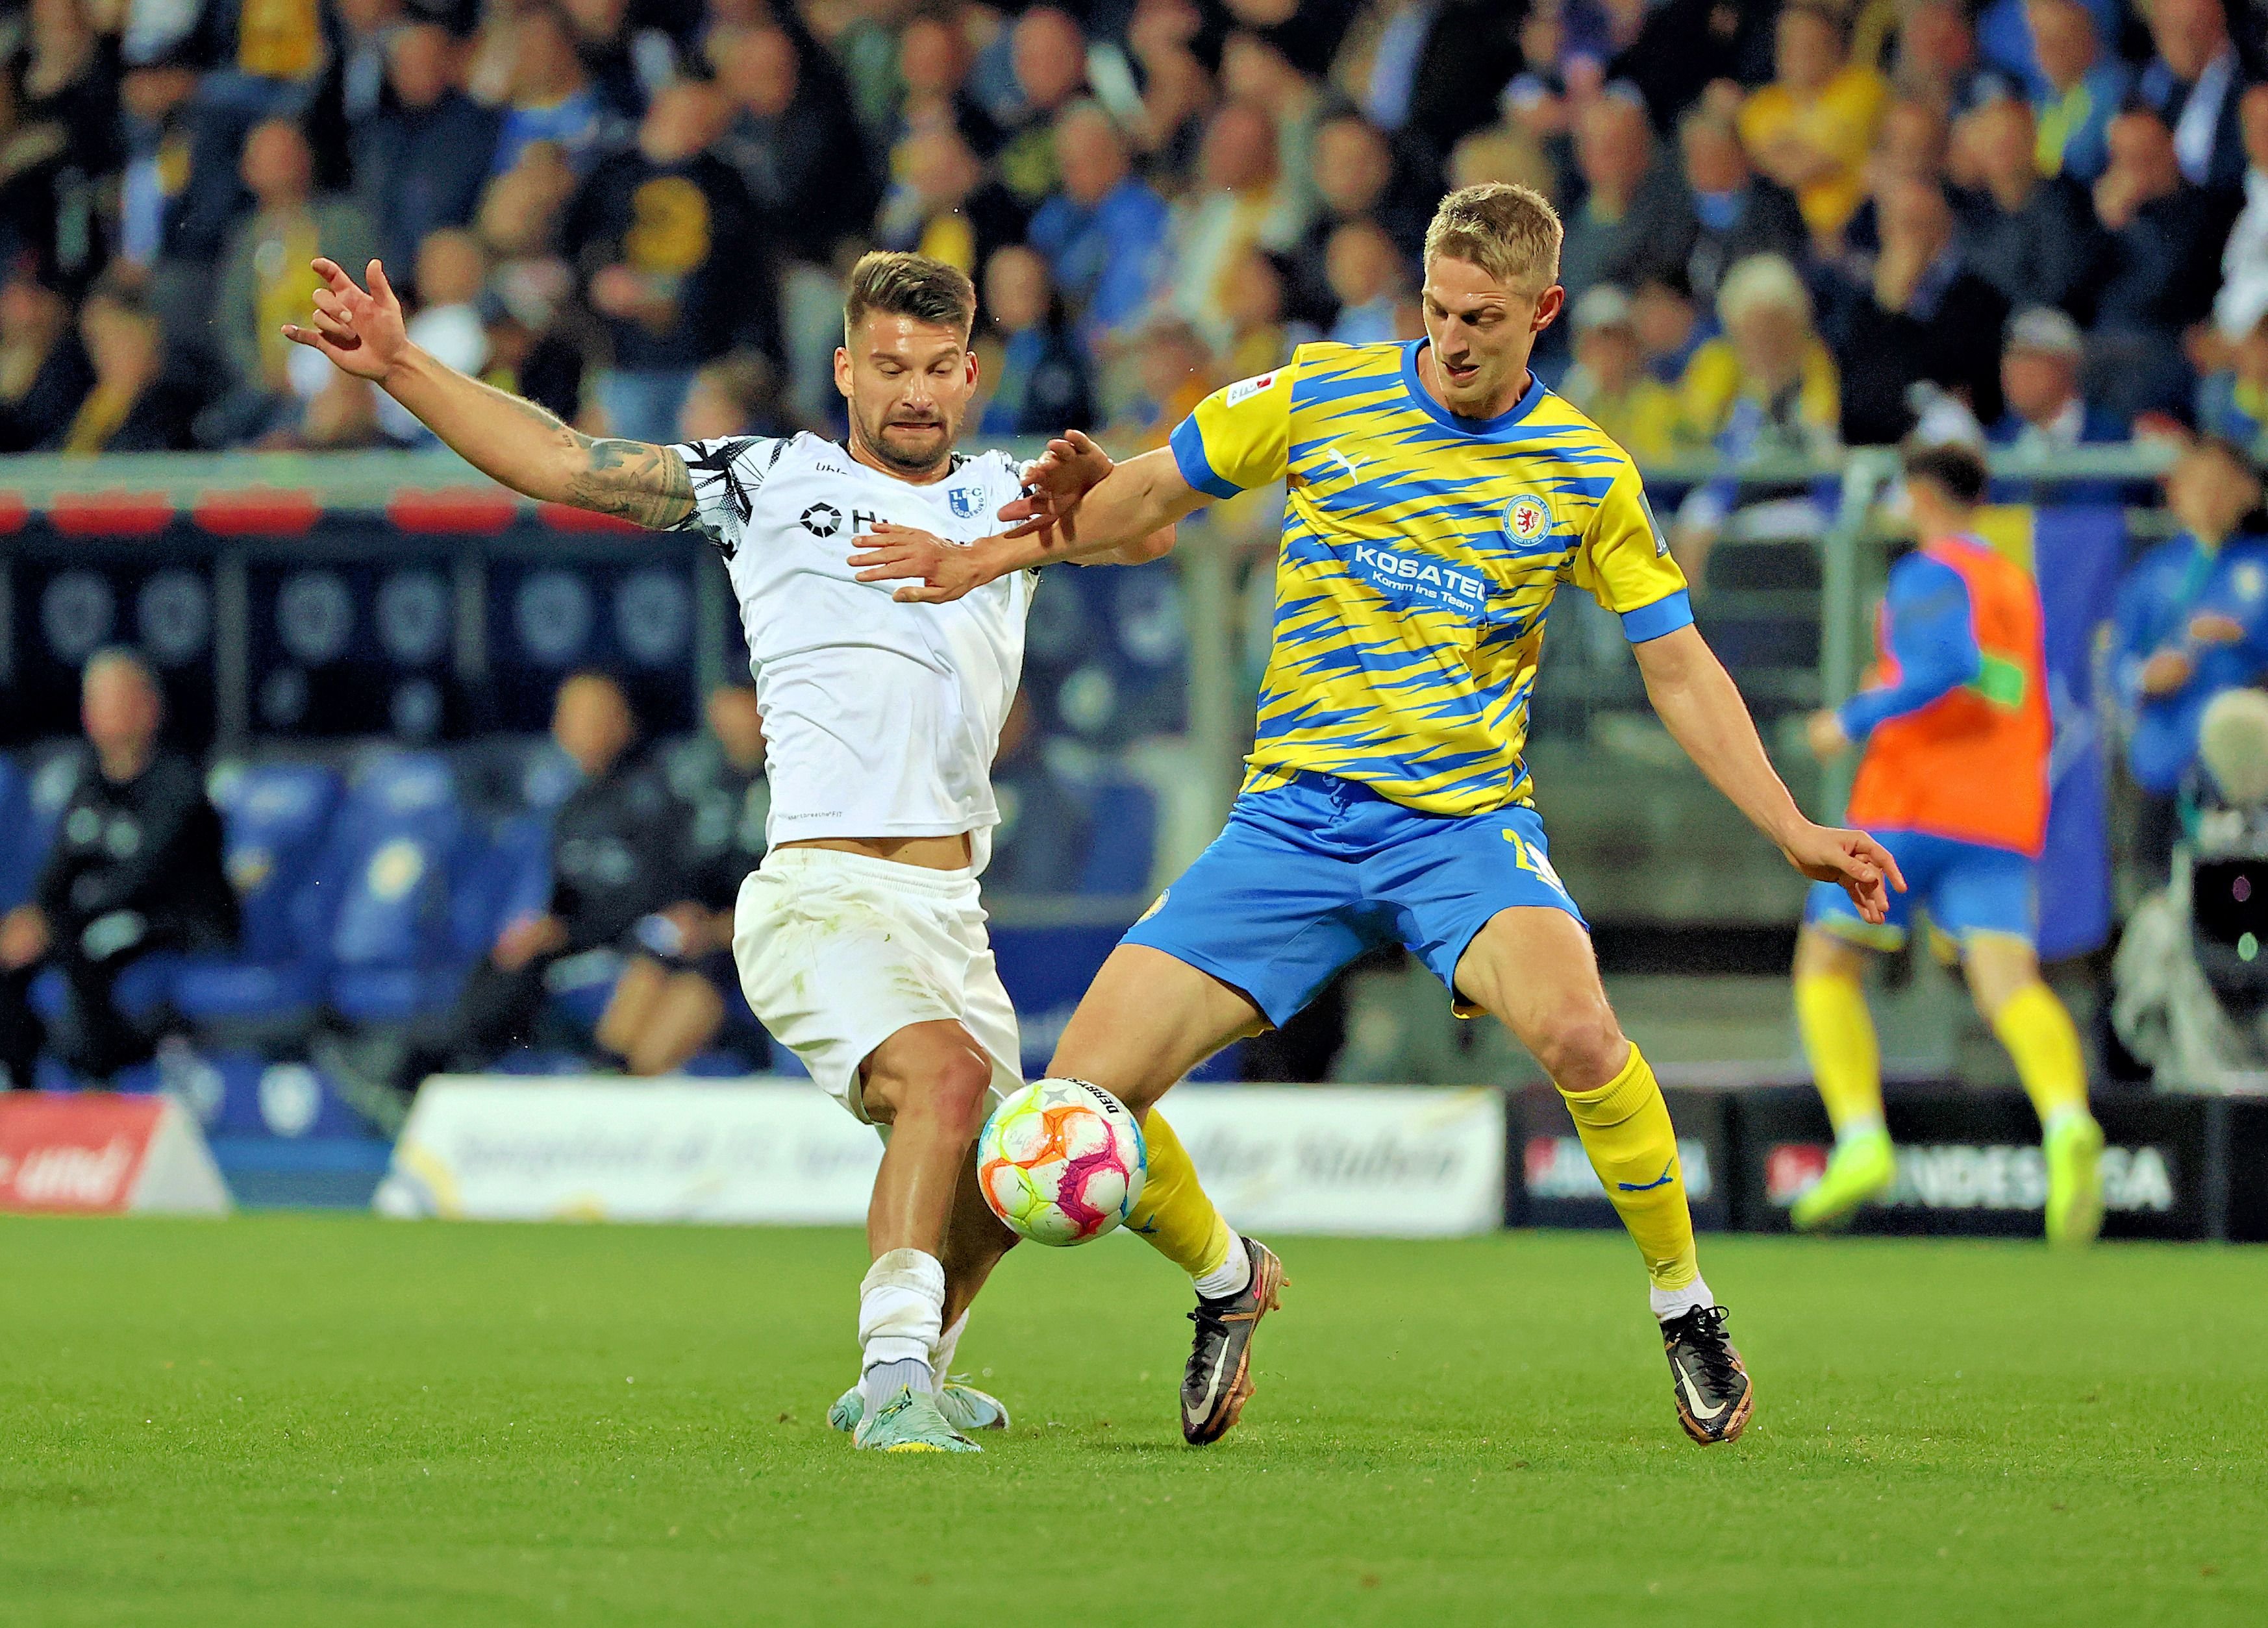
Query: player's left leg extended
(2004, 976)
(1532, 968)
(1147, 1020)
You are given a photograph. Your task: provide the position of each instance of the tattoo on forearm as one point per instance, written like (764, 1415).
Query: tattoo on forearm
(633, 480)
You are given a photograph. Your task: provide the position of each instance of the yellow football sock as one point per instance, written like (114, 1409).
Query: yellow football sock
(1175, 1215)
(1626, 1128)
(1838, 1038)
(2040, 1036)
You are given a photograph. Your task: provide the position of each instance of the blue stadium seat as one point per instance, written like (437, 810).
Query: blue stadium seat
(275, 816)
(1125, 841)
(385, 886)
(20, 862)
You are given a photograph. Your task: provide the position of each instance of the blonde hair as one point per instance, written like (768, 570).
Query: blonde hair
(1509, 231)
(1759, 281)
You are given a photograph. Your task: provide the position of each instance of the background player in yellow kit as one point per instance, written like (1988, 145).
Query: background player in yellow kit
(1438, 495)
(1956, 731)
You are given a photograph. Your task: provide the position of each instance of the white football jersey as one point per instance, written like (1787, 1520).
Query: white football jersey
(881, 719)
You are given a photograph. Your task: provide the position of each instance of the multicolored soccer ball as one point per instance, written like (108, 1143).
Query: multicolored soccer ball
(1061, 1162)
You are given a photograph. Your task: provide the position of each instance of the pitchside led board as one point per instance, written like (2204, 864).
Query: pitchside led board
(1969, 1163)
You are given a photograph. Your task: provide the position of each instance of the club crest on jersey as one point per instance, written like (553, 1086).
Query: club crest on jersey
(1528, 520)
(966, 504)
(821, 519)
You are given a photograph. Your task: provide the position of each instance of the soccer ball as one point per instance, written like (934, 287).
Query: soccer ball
(1061, 1162)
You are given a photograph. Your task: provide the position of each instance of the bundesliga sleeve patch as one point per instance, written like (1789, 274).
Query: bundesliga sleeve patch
(1245, 389)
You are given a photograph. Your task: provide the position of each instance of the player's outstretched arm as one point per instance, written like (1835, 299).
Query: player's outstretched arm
(1702, 709)
(506, 438)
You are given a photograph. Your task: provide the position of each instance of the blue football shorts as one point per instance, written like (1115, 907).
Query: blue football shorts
(1308, 876)
(1964, 887)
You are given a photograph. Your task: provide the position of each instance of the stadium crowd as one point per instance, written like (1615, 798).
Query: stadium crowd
(1781, 218)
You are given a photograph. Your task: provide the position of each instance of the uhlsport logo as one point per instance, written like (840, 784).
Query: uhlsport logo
(821, 519)
(1528, 520)
(966, 501)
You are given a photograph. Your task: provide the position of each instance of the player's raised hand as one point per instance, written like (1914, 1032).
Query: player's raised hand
(1862, 867)
(361, 330)
(938, 571)
(1072, 467)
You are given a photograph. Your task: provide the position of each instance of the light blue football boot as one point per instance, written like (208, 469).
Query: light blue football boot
(910, 1422)
(966, 1409)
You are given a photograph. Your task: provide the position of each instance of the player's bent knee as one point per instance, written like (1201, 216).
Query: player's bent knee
(1581, 1044)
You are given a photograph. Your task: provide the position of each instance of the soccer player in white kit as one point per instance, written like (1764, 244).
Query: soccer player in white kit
(860, 941)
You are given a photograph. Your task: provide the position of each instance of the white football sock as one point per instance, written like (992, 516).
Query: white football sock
(940, 1361)
(901, 1315)
(1233, 1276)
(1670, 1303)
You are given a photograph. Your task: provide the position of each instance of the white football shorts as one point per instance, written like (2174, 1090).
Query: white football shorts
(839, 951)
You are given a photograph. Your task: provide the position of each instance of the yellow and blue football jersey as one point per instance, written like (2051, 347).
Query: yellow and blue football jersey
(1420, 551)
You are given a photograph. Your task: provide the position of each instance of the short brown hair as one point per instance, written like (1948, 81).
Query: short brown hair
(1512, 232)
(910, 285)
(1958, 469)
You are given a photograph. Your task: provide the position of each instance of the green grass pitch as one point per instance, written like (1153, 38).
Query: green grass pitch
(338, 1422)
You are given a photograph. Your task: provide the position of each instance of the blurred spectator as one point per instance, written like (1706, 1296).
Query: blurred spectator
(672, 262)
(620, 847)
(2085, 87)
(1103, 232)
(1240, 200)
(629, 58)
(132, 406)
(550, 96)
(531, 287)
(1369, 282)
(1177, 90)
(2244, 257)
(735, 395)
(1716, 212)
(44, 373)
(135, 869)
(1049, 53)
(1503, 154)
(1437, 66)
(1669, 327)
(420, 165)
(1176, 371)
(1040, 843)
(2039, 381)
(2158, 267)
(236, 64)
(1924, 316)
(1357, 178)
(1038, 377)
(1766, 390)
(719, 776)
(2191, 621)
(797, 145)
(1936, 59)
(1625, 191)
(1811, 128)
(62, 142)
(944, 204)
(1255, 299)
(452, 270)
(2032, 236)
(1254, 70)
(266, 280)
(933, 64)
(1911, 144)
(2192, 84)
(1609, 383)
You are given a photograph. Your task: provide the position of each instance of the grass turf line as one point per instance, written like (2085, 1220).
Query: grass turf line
(334, 1420)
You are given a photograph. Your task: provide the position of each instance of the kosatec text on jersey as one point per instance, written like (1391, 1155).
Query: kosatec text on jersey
(1409, 576)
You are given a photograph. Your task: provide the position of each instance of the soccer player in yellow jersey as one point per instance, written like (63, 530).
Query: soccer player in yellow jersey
(1438, 496)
